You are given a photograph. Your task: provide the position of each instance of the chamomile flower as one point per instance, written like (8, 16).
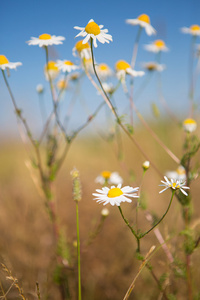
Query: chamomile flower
(178, 174)
(51, 70)
(103, 71)
(45, 40)
(153, 66)
(123, 68)
(95, 32)
(83, 50)
(66, 66)
(4, 63)
(62, 84)
(115, 195)
(156, 46)
(189, 125)
(174, 185)
(107, 177)
(193, 30)
(144, 21)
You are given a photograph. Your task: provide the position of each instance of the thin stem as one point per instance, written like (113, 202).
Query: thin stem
(131, 228)
(145, 233)
(78, 252)
(106, 98)
(135, 49)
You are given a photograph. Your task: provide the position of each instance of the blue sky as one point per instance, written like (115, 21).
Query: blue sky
(22, 19)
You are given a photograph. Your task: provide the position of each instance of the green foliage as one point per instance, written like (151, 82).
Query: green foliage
(155, 110)
(130, 128)
(189, 243)
(172, 297)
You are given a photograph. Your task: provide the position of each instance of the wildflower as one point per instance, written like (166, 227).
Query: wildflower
(193, 30)
(109, 178)
(88, 65)
(123, 68)
(95, 32)
(108, 87)
(178, 174)
(115, 195)
(4, 63)
(156, 46)
(62, 84)
(51, 70)
(144, 21)
(105, 212)
(66, 66)
(189, 125)
(103, 71)
(83, 50)
(74, 76)
(146, 165)
(174, 185)
(152, 66)
(45, 40)
(40, 88)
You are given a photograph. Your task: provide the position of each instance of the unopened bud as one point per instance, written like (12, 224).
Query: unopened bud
(76, 185)
(146, 165)
(105, 212)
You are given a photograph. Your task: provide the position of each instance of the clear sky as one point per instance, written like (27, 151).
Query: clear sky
(22, 19)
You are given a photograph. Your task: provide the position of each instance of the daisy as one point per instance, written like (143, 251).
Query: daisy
(107, 177)
(189, 125)
(115, 195)
(152, 66)
(45, 40)
(193, 30)
(156, 46)
(123, 68)
(51, 70)
(174, 185)
(83, 50)
(95, 32)
(178, 174)
(4, 63)
(66, 66)
(103, 71)
(144, 21)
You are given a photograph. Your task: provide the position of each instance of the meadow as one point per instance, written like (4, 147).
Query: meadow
(56, 241)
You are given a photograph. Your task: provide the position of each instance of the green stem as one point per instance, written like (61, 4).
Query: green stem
(78, 252)
(145, 233)
(132, 230)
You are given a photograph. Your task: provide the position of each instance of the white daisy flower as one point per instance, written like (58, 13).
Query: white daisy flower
(4, 63)
(174, 185)
(123, 68)
(94, 31)
(153, 66)
(51, 70)
(157, 46)
(178, 174)
(144, 21)
(189, 125)
(45, 40)
(115, 195)
(83, 50)
(107, 177)
(193, 30)
(103, 71)
(66, 66)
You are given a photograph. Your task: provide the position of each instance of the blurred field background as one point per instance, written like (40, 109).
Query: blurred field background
(108, 264)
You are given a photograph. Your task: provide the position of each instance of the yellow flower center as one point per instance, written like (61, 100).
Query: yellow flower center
(45, 36)
(52, 66)
(106, 174)
(151, 66)
(69, 63)
(189, 122)
(114, 192)
(195, 27)
(103, 67)
(122, 65)
(174, 185)
(3, 60)
(159, 43)
(80, 46)
(144, 18)
(92, 28)
(180, 170)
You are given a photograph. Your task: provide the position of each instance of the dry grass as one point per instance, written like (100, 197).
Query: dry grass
(109, 264)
